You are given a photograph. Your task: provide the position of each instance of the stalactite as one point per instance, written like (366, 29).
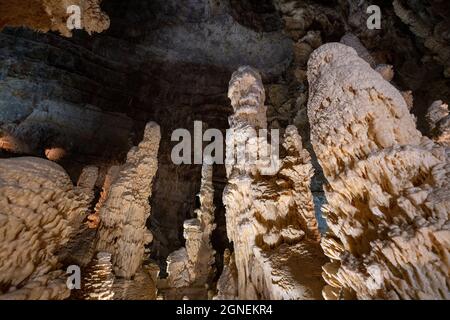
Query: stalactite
(269, 208)
(39, 212)
(124, 213)
(388, 186)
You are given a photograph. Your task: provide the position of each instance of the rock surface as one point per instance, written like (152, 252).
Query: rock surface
(52, 15)
(40, 210)
(192, 265)
(124, 213)
(269, 206)
(388, 206)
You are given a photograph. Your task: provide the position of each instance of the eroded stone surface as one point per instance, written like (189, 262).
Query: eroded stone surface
(40, 209)
(192, 265)
(388, 186)
(269, 206)
(124, 213)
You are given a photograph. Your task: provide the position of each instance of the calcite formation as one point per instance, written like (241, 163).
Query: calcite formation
(51, 15)
(269, 208)
(99, 279)
(192, 265)
(388, 186)
(87, 180)
(227, 285)
(39, 211)
(438, 118)
(124, 213)
(94, 218)
(141, 287)
(353, 41)
(431, 30)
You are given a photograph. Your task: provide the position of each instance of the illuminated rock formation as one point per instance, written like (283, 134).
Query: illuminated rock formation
(438, 118)
(94, 218)
(99, 280)
(51, 15)
(388, 187)
(39, 211)
(141, 287)
(269, 208)
(124, 213)
(192, 265)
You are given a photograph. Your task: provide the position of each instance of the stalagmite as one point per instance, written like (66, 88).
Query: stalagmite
(388, 186)
(124, 213)
(100, 278)
(192, 265)
(269, 207)
(438, 118)
(52, 15)
(227, 286)
(39, 211)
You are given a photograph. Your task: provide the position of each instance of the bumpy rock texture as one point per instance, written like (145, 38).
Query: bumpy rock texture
(51, 15)
(91, 96)
(388, 186)
(192, 265)
(227, 285)
(39, 211)
(99, 279)
(430, 23)
(269, 207)
(438, 118)
(124, 213)
(141, 287)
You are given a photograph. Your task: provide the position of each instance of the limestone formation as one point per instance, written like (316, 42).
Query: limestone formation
(99, 279)
(192, 265)
(124, 213)
(52, 15)
(388, 186)
(438, 118)
(227, 285)
(353, 41)
(269, 207)
(87, 180)
(432, 32)
(39, 211)
(80, 249)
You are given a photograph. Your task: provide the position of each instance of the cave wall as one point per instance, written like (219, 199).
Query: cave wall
(86, 99)
(90, 96)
